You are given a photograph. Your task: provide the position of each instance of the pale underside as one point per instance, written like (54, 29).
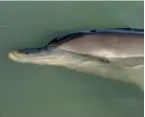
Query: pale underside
(125, 54)
(93, 65)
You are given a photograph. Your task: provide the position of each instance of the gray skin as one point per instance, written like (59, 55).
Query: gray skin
(113, 56)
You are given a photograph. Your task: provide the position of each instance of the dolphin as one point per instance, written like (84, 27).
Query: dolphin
(115, 53)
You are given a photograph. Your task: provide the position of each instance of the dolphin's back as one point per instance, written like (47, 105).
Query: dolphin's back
(104, 45)
(114, 43)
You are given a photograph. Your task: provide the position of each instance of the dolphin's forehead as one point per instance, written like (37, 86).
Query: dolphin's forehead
(106, 45)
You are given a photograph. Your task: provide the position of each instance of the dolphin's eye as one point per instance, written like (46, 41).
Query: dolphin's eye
(93, 30)
(104, 60)
(26, 52)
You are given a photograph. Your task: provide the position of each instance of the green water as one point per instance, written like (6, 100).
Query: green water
(44, 91)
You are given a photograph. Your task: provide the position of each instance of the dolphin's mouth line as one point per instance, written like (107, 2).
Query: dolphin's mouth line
(16, 56)
(13, 56)
(19, 57)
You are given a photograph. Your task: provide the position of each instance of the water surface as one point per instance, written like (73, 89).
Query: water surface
(45, 91)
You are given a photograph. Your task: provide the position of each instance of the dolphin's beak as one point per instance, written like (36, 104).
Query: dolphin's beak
(15, 55)
(24, 54)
